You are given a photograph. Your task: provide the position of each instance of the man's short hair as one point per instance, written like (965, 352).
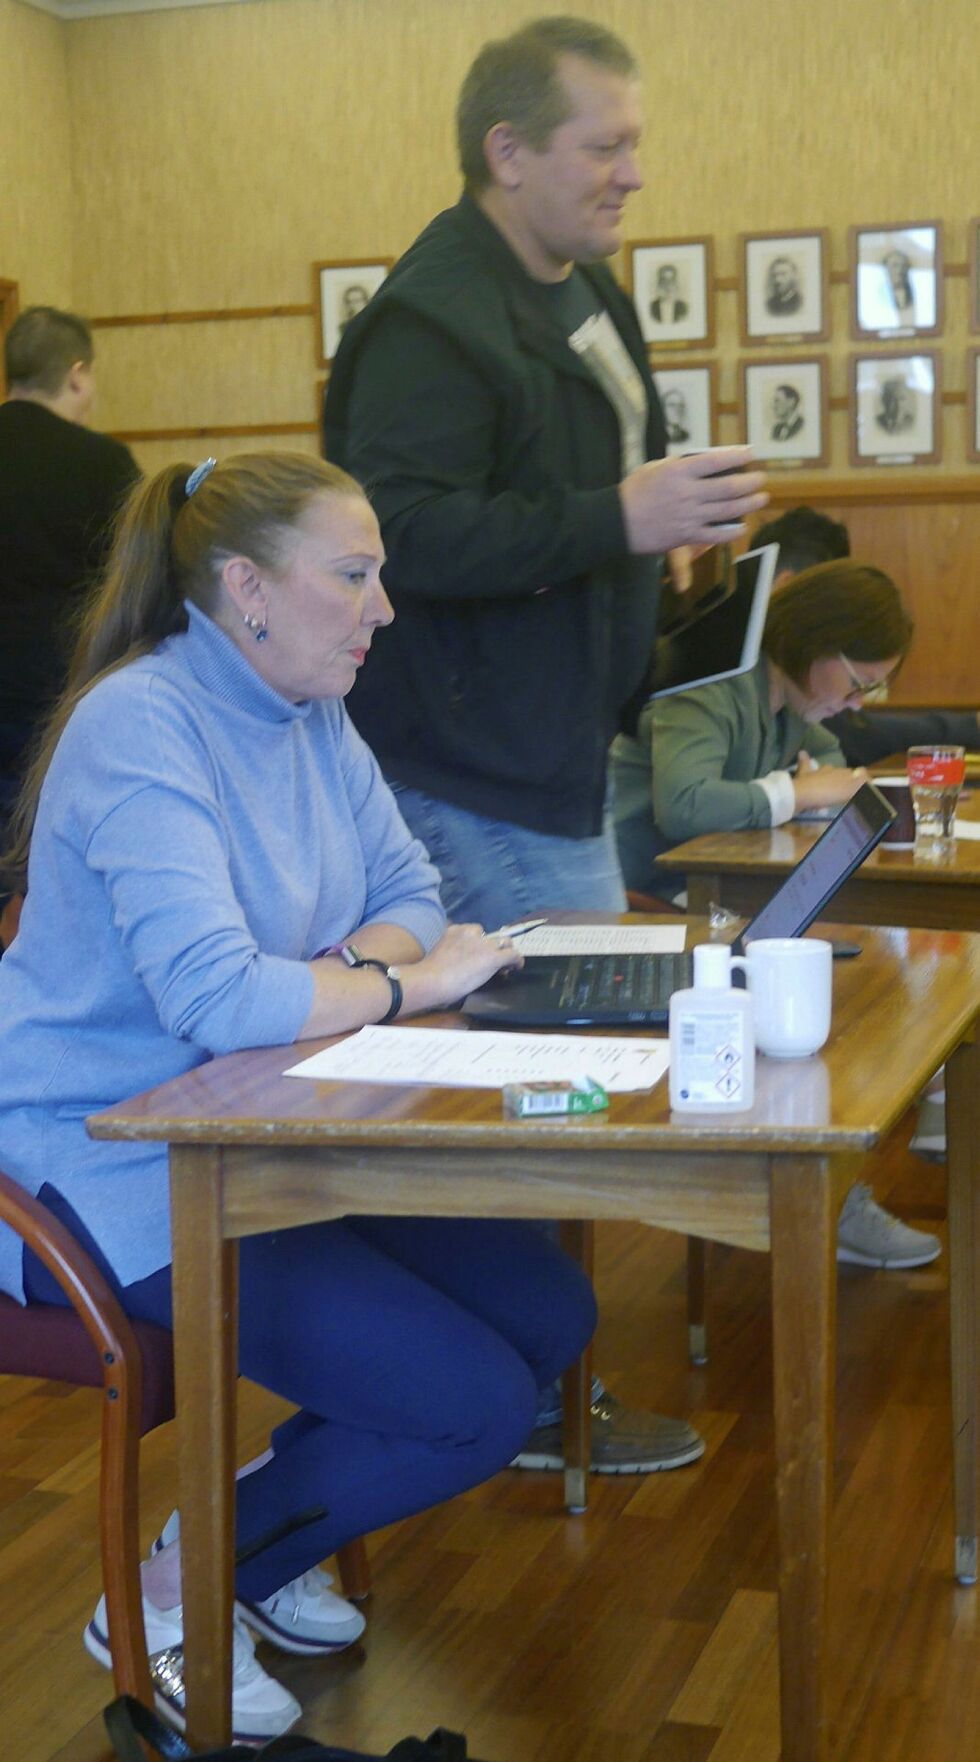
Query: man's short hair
(42, 346)
(789, 391)
(804, 538)
(516, 80)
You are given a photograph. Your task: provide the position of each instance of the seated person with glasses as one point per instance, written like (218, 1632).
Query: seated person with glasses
(721, 758)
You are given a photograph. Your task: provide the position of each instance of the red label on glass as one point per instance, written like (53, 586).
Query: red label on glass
(936, 773)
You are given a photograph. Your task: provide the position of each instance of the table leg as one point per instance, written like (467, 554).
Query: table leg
(963, 1189)
(803, 1218)
(697, 1331)
(703, 891)
(578, 1241)
(205, 1293)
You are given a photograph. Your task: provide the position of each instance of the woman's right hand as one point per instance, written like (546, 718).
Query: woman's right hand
(463, 959)
(828, 786)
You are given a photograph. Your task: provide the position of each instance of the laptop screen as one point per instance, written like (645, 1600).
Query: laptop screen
(726, 640)
(847, 841)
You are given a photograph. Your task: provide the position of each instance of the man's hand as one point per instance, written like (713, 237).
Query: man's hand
(690, 500)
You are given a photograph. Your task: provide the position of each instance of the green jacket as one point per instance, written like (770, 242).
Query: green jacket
(695, 762)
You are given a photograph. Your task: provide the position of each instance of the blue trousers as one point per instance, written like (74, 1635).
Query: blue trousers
(494, 873)
(414, 1349)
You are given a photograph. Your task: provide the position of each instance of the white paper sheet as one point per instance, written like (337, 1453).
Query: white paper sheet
(964, 829)
(604, 939)
(454, 1058)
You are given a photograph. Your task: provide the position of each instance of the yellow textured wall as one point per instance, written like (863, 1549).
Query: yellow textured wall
(219, 151)
(35, 158)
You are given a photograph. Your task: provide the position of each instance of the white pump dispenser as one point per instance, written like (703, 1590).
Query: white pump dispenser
(712, 1043)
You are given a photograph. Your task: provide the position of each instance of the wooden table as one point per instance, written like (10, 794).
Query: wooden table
(251, 1150)
(740, 870)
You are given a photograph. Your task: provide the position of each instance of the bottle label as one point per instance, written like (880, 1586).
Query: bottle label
(935, 772)
(710, 1057)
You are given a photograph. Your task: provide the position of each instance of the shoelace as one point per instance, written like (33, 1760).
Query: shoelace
(311, 1583)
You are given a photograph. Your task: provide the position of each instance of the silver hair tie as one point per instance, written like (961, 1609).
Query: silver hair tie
(197, 476)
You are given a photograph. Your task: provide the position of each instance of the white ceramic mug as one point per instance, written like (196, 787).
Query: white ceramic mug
(791, 982)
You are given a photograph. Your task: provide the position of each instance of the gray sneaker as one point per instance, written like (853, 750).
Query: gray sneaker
(623, 1441)
(868, 1235)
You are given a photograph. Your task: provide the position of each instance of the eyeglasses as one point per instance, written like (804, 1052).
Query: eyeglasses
(864, 688)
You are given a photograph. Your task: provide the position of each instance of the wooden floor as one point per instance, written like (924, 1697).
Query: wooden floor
(643, 1632)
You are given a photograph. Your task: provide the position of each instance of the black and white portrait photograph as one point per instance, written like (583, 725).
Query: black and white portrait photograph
(784, 410)
(342, 289)
(895, 406)
(687, 397)
(973, 405)
(783, 290)
(671, 284)
(896, 275)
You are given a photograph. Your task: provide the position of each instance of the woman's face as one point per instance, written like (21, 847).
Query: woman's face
(325, 604)
(834, 684)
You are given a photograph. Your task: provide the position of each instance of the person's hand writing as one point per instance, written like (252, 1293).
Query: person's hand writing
(672, 502)
(825, 786)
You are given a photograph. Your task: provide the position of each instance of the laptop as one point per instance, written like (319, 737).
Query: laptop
(723, 639)
(635, 989)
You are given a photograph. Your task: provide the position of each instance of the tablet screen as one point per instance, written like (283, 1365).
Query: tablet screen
(726, 640)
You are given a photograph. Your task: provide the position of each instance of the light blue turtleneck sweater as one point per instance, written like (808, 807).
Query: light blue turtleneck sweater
(198, 839)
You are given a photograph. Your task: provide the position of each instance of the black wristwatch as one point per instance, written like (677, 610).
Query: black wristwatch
(351, 955)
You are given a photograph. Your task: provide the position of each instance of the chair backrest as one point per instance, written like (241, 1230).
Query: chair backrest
(29, 1342)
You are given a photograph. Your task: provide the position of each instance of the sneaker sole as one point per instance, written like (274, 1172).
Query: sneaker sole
(549, 1464)
(260, 1624)
(885, 1263)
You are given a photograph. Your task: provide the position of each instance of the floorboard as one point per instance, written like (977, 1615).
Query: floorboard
(642, 1632)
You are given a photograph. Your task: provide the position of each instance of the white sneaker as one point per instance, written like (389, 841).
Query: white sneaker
(929, 1137)
(304, 1617)
(261, 1709)
(868, 1235)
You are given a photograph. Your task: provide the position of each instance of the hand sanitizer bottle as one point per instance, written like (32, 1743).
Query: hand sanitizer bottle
(712, 1042)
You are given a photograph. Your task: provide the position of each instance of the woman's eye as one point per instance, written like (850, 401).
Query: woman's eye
(356, 577)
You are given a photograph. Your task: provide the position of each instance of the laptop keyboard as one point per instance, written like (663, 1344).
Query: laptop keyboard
(613, 982)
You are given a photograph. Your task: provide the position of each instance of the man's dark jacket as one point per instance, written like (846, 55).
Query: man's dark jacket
(60, 487)
(492, 459)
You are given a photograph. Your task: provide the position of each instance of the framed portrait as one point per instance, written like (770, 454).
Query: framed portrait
(672, 285)
(973, 405)
(340, 290)
(895, 408)
(785, 286)
(689, 398)
(973, 272)
(784, 410)
(896, 280)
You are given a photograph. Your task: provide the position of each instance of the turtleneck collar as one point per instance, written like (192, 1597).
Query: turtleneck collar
(224, 671)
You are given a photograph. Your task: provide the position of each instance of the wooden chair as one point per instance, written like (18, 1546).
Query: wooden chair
(697, 1248)
(95, 1344)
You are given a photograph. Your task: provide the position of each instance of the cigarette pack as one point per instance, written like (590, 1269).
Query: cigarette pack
(549, 1100)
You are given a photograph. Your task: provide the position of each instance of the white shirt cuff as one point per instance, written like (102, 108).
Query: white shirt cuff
(778, 787)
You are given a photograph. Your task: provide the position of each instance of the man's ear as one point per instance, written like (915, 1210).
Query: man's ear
(244, 586)
(503, 151)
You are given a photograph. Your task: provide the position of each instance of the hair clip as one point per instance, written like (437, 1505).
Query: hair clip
(197, 476)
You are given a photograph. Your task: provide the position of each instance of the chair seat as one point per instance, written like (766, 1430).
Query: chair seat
(44, 1340)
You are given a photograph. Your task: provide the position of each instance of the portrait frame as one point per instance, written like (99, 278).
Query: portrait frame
(696, 382)
(894, 432)
(806, 317)
(331, 277)
(973, 405)
(693, 263)
(973, 271)
(760, 382)
(876, 291)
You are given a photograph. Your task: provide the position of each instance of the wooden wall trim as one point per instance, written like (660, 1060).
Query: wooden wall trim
(791, 487)
(217, 431)
(220, 315)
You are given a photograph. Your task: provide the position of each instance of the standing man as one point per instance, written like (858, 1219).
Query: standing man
(495, 397)
(60, 485)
